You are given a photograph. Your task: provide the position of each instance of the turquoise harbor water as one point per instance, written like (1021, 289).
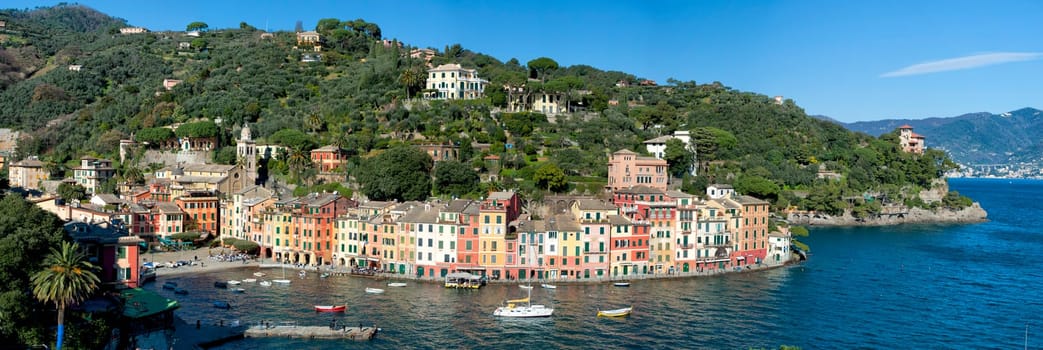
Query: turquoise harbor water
(906, 287)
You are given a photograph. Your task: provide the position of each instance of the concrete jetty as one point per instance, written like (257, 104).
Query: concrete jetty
(312, 332)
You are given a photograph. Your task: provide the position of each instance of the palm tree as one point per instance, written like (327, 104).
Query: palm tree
(412, 79)
(298, 160)
(68, 279)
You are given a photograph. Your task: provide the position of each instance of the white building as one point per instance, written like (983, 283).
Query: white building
(453, 82)
(657, 146)
(778, 248)
(93, 172)
(718, 191)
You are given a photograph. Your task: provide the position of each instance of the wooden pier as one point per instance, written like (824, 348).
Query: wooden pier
(312, 332)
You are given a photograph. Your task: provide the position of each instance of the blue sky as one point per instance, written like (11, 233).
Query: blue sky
(850, 60)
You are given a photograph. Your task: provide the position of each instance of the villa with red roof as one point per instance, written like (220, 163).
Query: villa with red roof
(910, 141)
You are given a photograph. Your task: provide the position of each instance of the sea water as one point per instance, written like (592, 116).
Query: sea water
(903, 287)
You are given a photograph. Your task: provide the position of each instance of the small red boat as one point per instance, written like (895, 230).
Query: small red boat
(330, 308)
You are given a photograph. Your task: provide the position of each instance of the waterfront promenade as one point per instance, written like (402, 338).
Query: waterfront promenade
(208, 264)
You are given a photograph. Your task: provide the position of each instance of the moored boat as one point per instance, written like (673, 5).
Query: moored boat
(181, 291)
(222, 305)
(515, 309)
(220, 284)
(621, 284)
(233, 282)
(259, 274)
(525, 287)
(615, 313)
(250, 280)
(396, 284)
(374, 290)
(169, 285)
(281, 281)
(238, 290)
(330, 308)
(548, 286)
(265, 283)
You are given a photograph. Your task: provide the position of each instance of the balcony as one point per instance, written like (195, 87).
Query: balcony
(687, 246)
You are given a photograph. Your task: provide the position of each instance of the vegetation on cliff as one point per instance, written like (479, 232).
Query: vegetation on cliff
(362, 96)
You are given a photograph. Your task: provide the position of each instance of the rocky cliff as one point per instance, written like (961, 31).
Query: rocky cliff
(971, 214)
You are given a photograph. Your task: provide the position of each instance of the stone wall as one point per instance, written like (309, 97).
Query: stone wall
(169, 158)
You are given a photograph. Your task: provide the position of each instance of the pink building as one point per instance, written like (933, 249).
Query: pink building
(596, 235)
(626, 169)
(910, 141)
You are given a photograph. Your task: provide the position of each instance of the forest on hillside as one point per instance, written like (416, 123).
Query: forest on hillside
(364, 95)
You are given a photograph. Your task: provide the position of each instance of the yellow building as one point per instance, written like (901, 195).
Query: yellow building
(28, 174)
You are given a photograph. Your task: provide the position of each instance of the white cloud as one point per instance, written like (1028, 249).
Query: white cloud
(965, 62)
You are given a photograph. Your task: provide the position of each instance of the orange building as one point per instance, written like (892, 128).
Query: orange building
(201, 211)
(495, 214)
(752, 240)
(304, 227)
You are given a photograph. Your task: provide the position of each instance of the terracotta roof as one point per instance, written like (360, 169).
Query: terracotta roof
(905, 126)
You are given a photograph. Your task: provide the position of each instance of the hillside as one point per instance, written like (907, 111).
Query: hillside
(363, 93)
(976, 138)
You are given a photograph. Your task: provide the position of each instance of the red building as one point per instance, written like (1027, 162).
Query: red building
(314, 215)
(329, 158)
(110, 247)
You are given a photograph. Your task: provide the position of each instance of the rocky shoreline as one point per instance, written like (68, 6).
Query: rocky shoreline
(972, 214)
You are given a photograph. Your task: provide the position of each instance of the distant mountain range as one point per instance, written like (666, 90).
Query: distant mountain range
(974, 138)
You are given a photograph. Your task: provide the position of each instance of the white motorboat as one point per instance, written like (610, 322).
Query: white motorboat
(374, 290)
(265, 283)
(548, 286)
(281, 281)
(233, 283)
(250, 280)
(396, 284)
(525, 287)
(259, 274)
(514, 308)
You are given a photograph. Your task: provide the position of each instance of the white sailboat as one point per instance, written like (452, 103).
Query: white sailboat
(514, 308)
(282, 280)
